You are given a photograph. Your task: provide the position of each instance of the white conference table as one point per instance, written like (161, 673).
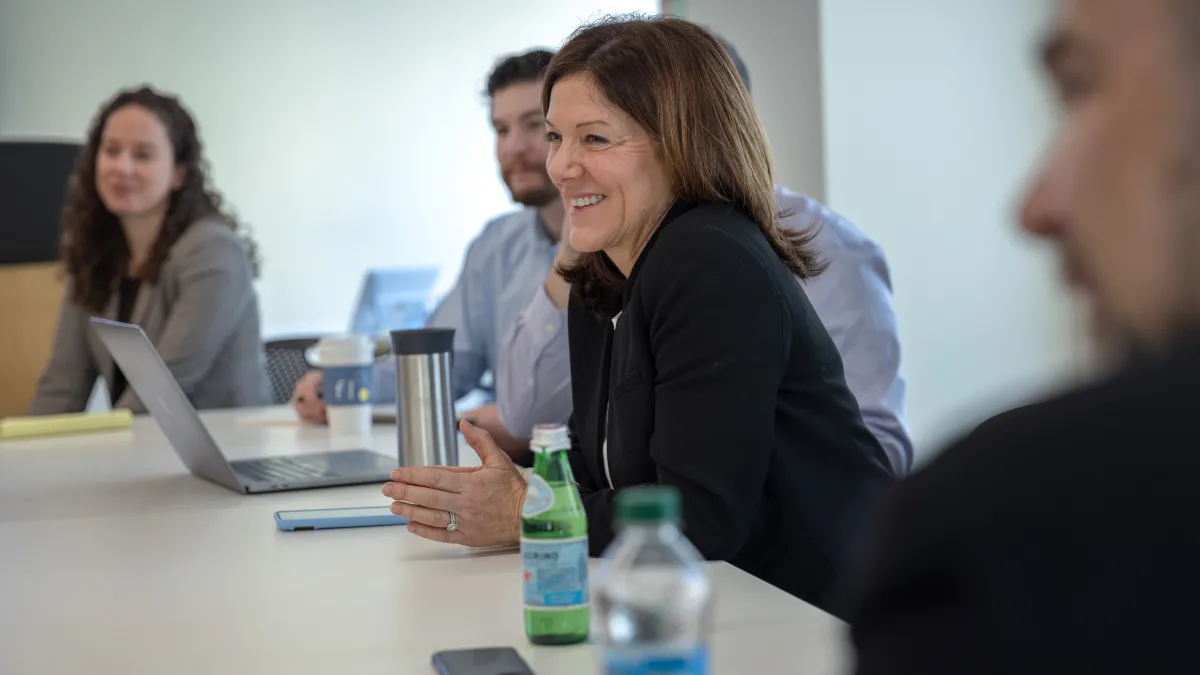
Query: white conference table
(114, 559)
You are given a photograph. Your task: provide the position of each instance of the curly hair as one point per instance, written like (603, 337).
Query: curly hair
(93, 246)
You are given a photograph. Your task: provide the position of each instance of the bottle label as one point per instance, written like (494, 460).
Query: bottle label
(347, 385)
(539, 497)
(683, 661)
(556, 572)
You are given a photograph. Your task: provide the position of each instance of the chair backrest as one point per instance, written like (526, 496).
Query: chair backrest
(286, 364)
(33, 189)
(30, 297)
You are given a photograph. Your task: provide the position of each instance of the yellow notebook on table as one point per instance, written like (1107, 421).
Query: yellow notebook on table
(74, 423)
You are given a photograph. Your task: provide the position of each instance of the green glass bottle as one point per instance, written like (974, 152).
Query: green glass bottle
(554, 545)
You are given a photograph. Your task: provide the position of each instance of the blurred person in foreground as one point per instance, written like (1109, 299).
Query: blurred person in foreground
(1061, 537)
(696, 359)
(147, 240)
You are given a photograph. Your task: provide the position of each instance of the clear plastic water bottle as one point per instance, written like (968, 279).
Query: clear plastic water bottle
(653, 598)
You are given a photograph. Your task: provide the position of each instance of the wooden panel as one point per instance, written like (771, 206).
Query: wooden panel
(30, 295)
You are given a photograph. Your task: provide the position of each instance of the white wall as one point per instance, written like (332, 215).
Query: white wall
(348, 134)
(780, 42)
(934, 117)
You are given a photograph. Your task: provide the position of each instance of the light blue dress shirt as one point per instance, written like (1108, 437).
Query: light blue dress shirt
(853, 298)
(504, 266)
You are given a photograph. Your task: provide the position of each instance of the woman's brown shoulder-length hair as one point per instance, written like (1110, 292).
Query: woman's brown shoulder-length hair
(675, 79)
(93, 248)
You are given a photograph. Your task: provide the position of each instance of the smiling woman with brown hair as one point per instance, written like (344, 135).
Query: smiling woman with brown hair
(147, 240)
(696, 359)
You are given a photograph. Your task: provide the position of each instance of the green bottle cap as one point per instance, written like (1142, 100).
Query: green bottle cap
(647, 504)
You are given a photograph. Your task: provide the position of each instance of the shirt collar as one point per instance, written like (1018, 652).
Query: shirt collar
(539, 226)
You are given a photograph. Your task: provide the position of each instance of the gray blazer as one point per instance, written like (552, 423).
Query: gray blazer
(202, 316)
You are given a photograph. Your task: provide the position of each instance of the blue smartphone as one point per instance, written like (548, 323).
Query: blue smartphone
(328, 519)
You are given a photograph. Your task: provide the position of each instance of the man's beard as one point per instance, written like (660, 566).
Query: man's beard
(1184, 322)
(1176, 315)
(538, 196)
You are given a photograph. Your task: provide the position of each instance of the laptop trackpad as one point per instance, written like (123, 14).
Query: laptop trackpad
(359, 463)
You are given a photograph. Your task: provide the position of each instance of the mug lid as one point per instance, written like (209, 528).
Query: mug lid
(422, 341)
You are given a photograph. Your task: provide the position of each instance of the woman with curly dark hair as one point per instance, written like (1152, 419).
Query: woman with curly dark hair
(146, 240)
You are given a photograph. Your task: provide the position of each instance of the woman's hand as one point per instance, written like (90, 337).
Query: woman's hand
(486, 500)
(306, 398)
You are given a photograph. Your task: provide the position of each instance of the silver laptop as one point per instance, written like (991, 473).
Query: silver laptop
(170, 407)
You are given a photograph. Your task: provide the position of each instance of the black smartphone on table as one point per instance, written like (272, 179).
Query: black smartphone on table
(484, 661)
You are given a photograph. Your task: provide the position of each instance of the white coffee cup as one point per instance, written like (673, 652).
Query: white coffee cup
(347, 383)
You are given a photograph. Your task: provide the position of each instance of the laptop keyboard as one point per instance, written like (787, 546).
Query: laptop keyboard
(281, 469)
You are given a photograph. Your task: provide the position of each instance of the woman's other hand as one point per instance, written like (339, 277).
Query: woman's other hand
(306, 398)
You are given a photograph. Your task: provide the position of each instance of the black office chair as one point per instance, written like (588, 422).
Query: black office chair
(33, 188)
(286, 364)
